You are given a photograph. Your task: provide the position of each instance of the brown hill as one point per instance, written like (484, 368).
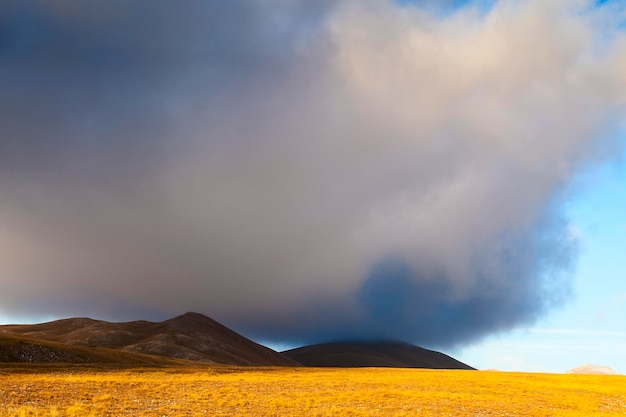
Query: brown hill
(373, 354)
(14, 348)
(191, 336)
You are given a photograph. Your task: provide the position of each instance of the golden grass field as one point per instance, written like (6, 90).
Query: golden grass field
(229, 391)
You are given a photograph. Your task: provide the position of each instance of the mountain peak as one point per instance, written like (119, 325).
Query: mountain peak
(192, 316)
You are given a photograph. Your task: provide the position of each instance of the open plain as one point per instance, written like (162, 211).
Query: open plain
(72, 390)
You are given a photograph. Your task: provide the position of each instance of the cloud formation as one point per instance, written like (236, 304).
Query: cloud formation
(303, 171)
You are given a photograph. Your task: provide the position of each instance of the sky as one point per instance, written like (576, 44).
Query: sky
(441, 172)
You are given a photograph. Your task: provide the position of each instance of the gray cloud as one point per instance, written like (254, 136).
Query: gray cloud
(303, 171)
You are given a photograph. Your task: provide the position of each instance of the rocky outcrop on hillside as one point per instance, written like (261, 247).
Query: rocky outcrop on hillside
(26, 351)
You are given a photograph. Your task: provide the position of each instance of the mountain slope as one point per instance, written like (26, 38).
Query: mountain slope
(191, 336)
(14, 348)
(373, 354)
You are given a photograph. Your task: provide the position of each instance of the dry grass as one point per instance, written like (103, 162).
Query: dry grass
(81, 391)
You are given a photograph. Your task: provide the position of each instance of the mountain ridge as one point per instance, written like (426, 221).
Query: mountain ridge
(190, 336)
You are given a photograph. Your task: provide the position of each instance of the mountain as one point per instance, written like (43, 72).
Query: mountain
(191, 336)
(373, 354)
(592, 370)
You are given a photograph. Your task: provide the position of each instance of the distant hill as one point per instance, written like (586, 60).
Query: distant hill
(373, 354)
(191, 336)
(592, 370)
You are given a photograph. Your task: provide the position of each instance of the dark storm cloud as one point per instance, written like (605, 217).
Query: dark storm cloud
(395, 301)
(304, 171)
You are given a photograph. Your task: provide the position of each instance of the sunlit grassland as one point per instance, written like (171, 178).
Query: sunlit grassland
(75, 391)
